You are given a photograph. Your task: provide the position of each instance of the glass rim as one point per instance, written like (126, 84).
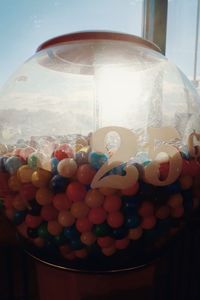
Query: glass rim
(97, 35)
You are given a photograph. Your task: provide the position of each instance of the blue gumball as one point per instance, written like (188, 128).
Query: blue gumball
(3, 160)
(120, 233)
(76, 244)
(54, 164)
(97, 159)
(132, 221)
(71, 232)
(12, 164)
(19, 217)
(58, 184)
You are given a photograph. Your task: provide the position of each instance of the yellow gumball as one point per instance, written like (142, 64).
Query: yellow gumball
(24, 174)
(41, 178)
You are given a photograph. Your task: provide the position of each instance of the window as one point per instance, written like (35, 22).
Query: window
(183, 42)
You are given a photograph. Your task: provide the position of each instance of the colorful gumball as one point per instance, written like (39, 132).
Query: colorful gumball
(71, 233)
(112, 203)
(49, 213)
(162, 212)
(54, 164)
(24, 173)
(177, 212)
(175, 200)
(41, 178)
(105, 242)
(88, 238)
(97, 159)
(27, 191)
(120, 232)
(43, 231)
(54, 228)
(94, 198)
(85, 174)
(34, 208)
(186, 181)
(4, 188)
(97, 215)
(76, 191)
(67, 167)
(82, 253)
(81, 156)
(122, 244)
(58, 183)
(132, 221)
(14, 183)
(146, 209)
(3, 160)
(115, 219)
(19, 217)
(79, 209)
(12, 164)
(34, 160)
(102, 229)
(65, 218)
(33, 221)
(18, 203)
(148, 222)
(44, 196)
(61, 202)
(63, 151)
(109, 251)
(83, 225)
(32, 233)
(64, 250)
(135, 233)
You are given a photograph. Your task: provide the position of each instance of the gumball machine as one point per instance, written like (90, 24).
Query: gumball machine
(99, 166)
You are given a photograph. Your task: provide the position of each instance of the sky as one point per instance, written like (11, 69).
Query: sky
(25, 24)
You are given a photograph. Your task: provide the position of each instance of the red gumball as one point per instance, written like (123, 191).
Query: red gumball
(61, 202)
(33, 221)
(63, 151)
(115, 219)
(85, 174)
(7, 201)
(146, 209)
(49, 213)
(28, 191)
(97, 215)
(105, 241)
(83, 225)
(148, 222)
(4, 188)
(122, 244)
(112, 203)
(76, 191)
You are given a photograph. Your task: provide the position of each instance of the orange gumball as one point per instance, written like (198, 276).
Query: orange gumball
(41, 178)
(44, 196)
(94, 198)
(54, 228)
(88, 238)
(79, 209)
(65, 218)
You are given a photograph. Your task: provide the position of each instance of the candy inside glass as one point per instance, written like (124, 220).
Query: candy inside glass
(99, 165)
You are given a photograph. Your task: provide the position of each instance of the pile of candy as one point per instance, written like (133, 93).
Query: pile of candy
(58, 206)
